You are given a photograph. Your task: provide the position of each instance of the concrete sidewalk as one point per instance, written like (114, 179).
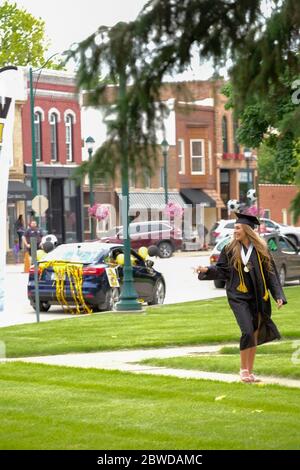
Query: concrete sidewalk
(127, 361)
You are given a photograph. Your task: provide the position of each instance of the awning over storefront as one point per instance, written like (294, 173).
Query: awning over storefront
(18, 191)
(149, 199)
(206, 197)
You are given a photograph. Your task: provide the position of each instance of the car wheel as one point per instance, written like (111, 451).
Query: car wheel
(111, 299)
(44, 306)
(219, 284)
(165, 250)
(282, 275)
(159, 293)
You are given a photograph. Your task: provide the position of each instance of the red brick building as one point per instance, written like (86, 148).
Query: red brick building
(58, 146)
(276, 199)
(211, 166)
(205, 165)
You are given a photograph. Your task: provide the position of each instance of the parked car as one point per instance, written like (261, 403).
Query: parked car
(286, 256)
(97, 293)
(293, 233)
(159, 233)
(220, 230)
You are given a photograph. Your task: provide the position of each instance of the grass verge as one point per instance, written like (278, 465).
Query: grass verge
(191, 323)
(48, 407)
(280, 360)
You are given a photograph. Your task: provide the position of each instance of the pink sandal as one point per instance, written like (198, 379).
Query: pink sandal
(245, 376)
(254, 378)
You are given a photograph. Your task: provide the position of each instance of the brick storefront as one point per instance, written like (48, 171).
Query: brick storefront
(276, 200)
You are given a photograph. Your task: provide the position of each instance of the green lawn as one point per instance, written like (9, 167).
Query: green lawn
(277, 359)
(192, 323)
(47, 407)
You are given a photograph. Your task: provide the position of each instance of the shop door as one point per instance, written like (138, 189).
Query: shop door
(11, 218)
(57, 209)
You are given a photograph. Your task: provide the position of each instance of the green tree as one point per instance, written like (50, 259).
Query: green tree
(157, 43)
(264, 51)
(262, 125)
(22, 38)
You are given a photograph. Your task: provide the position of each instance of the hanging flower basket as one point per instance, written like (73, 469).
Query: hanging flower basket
(173, 209)
(253, 210)
(99, 211)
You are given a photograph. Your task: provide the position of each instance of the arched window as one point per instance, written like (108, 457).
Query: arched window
(225, 134)
(69, 137)
(38, 135)
(236, 144)
(53, 137)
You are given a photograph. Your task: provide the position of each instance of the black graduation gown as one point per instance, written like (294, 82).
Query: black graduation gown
(251, 311)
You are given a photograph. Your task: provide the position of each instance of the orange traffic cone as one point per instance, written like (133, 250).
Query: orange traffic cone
(26, 262)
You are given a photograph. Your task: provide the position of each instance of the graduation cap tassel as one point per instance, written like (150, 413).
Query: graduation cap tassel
(266, 294)
(242, 286)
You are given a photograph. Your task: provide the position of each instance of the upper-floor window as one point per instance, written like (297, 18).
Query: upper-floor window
(38, 135)
(147, 179)
(236, 144)
(162, 177)
(197, 156)
(132, 178)
(69, 138)
(53, 137)
(181, 168)
(225, 134)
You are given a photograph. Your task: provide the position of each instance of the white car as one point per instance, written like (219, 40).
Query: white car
(221, 229)
(225, 228)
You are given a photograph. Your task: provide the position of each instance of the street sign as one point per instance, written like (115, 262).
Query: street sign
(40, 204)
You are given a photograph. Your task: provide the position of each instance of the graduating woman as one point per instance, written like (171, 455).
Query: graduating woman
(250, 273)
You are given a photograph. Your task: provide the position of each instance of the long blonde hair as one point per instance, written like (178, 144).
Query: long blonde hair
(234, 248)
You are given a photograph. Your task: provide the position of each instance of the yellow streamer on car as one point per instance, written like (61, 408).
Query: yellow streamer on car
(74, 273)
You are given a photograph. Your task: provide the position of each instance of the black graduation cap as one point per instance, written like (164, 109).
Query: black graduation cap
(250, 220)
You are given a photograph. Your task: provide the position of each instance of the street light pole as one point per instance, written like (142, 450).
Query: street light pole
(90, 146)
(165, 149)
(34, 180)
(128, 298)
(33, 150)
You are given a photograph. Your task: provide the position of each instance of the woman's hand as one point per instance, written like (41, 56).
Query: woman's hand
(200, 269)
(279, 303)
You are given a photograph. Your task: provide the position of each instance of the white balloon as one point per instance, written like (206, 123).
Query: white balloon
(233, 205)
(251, 195)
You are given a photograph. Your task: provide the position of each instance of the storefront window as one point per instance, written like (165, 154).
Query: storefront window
(245, 183)
(38, 135)
(70, 211)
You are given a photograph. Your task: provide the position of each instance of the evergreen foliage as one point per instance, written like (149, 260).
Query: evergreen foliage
(265, 55)
(144, 51)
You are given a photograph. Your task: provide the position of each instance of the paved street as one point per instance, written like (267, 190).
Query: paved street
(182, 286)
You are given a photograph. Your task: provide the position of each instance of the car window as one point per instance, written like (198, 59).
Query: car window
(165, 227)
(224, 242)
(272, 245)
(214, 226)
(134, 229)
(75, 254)
(269, 224)
(230, 225)
(136, 260)
(286, 246)
(154, 227)
(112, 232)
